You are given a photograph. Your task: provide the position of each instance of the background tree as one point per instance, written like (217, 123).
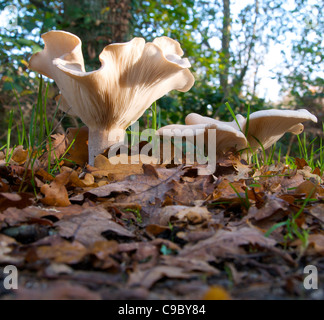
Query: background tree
(226, 41)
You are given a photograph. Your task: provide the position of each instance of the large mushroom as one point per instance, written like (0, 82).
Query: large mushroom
(132, 76)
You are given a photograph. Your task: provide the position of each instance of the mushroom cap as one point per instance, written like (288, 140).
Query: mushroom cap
(57, 44)
(227, 137)
(195, 118)
(268, 126)
(131, 77)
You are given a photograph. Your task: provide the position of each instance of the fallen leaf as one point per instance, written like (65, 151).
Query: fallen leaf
(189, 264)
(57, 149)
(271, 206)
(117, 168)
(105, 191)
(226, 243)
(78, 152)
(308, 188)
(318, 212)
(6, 247)
(307, 174)
(144, 189)
(18, 200)
(56, 193)
(58, 291)
(19, 155)
(300, 163)
(225, 191)
(146, 278)
(87, 227)
(186, 193)
(62, 251)
(103, 251)
(315, 244)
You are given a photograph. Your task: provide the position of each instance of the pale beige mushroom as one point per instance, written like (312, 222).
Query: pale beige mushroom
(226, 136)
(195, 118)
(265, 127)
(132, 76)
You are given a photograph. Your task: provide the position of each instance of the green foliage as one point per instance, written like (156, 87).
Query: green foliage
(17, 44)
(199, 26)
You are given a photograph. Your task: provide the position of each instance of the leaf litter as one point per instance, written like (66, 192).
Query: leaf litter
(146, 231)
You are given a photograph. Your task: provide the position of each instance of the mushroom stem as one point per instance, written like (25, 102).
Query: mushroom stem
(101, 139)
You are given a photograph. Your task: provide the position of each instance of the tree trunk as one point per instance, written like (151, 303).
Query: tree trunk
(98, 23)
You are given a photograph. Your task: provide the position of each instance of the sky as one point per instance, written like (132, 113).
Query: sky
(268, 87)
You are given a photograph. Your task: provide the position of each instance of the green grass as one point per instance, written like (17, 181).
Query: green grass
(312, 152)
(244, 201)
(36, 137)
(137, 213)
(292, 228)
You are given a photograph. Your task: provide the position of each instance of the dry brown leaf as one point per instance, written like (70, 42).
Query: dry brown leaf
(300, 163)
(75, 181)
(292, 182)
(307, 174)
(117, 171)
(188, 192)
(272, 205)
(155, 229)
(189, 264)
(62, 252)
(146, 278)
(88, 226)
(225, 191)
(56, 193)
(6, 247)
(59, 145)
(315, 243)
(58, 291)
(144, 189)
(17, 200)
(78, 152)
(44, 175)
(105, 191)
(318, 212)
(103, 250)
(119, 167)
(308, 188)
(19, 155)
(226, 243)
(13, 216)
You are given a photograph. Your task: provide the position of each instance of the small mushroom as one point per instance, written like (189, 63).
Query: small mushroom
(132, 76)
(195, 118)
(265, 127)
(268, 126)
(227, 137)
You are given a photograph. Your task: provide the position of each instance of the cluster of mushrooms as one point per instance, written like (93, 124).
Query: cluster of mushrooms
(132, 76)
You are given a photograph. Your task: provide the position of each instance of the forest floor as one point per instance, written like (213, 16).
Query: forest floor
(144, 231)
